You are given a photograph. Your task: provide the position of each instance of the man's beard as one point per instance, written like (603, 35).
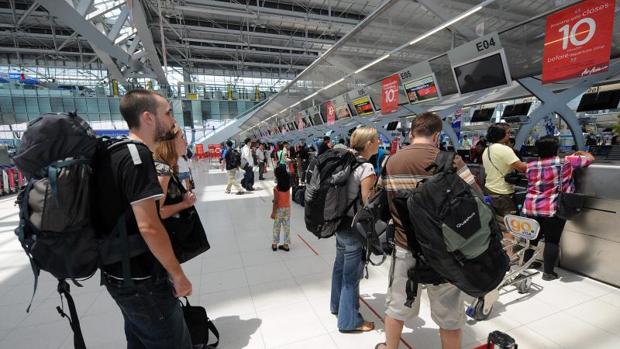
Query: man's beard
(161, 133)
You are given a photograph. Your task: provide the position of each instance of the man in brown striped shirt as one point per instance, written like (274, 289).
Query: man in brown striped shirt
(404, 170)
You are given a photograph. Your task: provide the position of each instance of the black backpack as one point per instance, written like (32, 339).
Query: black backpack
(326, 199)
(233, 158)
(58, 154)
(372, 224)
(451, 232)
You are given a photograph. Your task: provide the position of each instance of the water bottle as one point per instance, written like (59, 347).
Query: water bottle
(488, 200)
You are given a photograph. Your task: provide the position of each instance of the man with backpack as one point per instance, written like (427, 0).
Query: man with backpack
(403, 172)
(247, 164)
(127, 185)
(233, 161)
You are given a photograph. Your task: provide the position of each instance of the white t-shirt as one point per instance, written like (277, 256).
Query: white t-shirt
(183, 165)
(354, 185)
(502, 156)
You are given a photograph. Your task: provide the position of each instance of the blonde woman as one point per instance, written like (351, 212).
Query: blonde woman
(348, 265)
(167, 153)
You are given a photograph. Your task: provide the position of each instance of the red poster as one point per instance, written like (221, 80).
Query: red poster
(331, 112)
(394, 145)
(200, 148)
(389, 94)
(578, 40)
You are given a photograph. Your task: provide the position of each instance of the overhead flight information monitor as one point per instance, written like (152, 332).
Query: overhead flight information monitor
(519, 109)
(421, 90)
(363, 106)
(481, 74)
(599, 101)
(482, 115)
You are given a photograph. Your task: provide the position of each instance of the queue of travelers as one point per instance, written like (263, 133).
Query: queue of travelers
(148, 184)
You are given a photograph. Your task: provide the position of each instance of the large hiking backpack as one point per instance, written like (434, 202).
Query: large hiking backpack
(451, 232)
(58, 154)
(326, 198)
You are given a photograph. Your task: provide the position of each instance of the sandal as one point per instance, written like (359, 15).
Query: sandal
(366, 326)
(284, 247)
(378, 346)
(274, 247)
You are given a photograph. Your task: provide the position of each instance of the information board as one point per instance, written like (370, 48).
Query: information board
(578, 40)
(389, 94)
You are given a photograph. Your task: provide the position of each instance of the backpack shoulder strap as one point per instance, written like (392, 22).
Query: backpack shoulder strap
(444, 162)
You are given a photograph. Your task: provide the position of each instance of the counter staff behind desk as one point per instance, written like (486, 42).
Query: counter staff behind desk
(545, 182)
(498, 160)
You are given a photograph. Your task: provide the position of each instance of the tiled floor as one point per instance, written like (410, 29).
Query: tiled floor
(262, 299)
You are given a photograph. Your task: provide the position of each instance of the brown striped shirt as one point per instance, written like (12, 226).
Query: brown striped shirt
(404, 171)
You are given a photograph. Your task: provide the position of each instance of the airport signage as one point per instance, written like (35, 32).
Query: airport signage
(475, 49)
(578, 41)
(389, 94)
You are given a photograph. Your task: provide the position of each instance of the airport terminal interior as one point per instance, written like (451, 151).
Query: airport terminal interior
(256, 90)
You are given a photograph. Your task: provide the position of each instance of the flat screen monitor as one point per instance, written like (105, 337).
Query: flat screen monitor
(391, 126)
(363, 106)
(316, 119)
(519, 109)
(599, 101)
(421, 90)
(482, 115)
(343, 112)
(481, 74)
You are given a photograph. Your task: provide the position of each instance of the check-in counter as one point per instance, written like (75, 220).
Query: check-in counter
(590, 243)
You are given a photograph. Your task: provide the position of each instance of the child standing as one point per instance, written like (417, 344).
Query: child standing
(281, 212)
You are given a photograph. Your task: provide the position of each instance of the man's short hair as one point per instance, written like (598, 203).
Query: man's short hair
(247, 140)
(426, 125)
(136, 102)
(229, 143)
(326, 139)
(342, 141)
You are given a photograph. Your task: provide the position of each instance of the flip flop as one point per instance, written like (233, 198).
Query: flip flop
(378, 346)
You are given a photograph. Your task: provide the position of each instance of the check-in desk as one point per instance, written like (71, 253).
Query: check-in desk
(590, 243)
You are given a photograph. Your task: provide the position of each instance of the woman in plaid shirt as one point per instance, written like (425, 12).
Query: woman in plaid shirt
(541, 201)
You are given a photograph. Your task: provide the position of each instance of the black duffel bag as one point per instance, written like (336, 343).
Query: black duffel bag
(199, 325)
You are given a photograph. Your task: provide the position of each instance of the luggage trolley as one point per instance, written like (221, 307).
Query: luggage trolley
(524, 230)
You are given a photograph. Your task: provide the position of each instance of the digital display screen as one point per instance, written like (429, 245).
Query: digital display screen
(481, 74)
(599, 101)
(343, 112)
(482, 115)
(316, 119)
(292, 126)
(363, 106)
(520, 109)
(391, 126)
(421, 90)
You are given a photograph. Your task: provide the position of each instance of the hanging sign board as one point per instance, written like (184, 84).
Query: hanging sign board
(389, 94)
(315, 115)
(578, 40)
(480, 64)
(361, 102)
(342, 107)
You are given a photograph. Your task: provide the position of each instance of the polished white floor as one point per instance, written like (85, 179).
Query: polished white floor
(262, 299)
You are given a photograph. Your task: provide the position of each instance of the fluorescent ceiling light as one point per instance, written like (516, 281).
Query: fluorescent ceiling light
(372, 63)
(450, 22)
(312, 95)
(332, 84)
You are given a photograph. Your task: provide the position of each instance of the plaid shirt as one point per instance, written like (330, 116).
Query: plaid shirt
(543, 178)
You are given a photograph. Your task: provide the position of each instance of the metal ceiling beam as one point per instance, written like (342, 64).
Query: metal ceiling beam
(118, 25)
(70, 17)
(251, 64)
(139, 20)
(32, 7)
(83, 7)
(13, 49)
(245, 51)
(245, 44)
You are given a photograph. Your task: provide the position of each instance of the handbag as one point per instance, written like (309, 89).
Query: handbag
(199, 325)
(514, 177)
(569, 204)
(187, 235)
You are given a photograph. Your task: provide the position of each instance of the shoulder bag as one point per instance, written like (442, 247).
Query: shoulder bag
(514, 177)
(569, 205)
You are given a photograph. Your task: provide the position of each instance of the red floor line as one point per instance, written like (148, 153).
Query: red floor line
(362, 299)
(380, 318)
(307, 244)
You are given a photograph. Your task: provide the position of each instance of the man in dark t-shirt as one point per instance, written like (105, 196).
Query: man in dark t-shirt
(127, 184)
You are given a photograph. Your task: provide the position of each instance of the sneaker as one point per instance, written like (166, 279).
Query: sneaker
(227, 191)
(240, 193)
(549, 276)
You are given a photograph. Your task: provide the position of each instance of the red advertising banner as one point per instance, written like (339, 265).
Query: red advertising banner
(200, 148)
(389, 94)
(331, 112)
(578, 41)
